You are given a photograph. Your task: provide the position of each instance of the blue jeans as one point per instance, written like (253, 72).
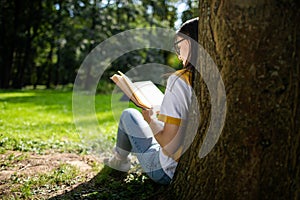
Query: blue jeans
(134, 135)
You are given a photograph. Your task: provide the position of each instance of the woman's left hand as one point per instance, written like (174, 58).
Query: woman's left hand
(147, 113)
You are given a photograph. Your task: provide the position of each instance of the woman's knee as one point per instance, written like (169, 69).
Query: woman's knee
(133, 123)
(130, 114)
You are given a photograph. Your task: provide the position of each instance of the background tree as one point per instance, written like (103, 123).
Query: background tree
(44, 42)
(256, 47)
(18, 30)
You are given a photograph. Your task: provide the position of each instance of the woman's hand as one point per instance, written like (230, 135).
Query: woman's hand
(147, 113)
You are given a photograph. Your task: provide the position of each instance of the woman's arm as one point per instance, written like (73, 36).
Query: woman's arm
(163, 134)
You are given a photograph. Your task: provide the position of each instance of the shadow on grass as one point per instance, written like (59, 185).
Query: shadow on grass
(112, 184)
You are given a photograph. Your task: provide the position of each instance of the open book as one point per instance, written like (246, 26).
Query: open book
(143, 94)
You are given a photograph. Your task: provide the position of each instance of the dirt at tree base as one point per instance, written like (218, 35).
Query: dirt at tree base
(15, 167)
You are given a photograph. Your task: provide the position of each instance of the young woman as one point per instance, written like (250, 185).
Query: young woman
(158, 155)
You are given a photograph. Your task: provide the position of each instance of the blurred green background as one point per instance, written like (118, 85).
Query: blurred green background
(43, 42)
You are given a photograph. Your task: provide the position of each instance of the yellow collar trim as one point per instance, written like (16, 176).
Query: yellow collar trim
(184, 75)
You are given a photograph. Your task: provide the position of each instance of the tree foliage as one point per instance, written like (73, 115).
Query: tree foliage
(43, 42)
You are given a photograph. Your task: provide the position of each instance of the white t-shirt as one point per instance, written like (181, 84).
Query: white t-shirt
(174, 110)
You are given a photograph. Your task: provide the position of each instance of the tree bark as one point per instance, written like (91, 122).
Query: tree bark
(255, 45)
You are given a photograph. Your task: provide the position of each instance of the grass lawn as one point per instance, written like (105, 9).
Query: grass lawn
(37, 120)
(42, 153)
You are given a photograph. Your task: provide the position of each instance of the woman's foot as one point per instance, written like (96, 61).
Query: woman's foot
(117, 163)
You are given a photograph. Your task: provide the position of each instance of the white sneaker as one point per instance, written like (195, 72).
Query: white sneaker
(118, 164)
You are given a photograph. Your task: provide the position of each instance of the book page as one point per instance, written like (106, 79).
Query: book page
(144, 93)
(150, 92)
(120, 81)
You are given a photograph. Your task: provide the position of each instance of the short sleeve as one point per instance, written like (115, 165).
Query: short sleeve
(177, 97)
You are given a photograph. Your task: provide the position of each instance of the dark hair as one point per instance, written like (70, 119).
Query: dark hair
(190, 29)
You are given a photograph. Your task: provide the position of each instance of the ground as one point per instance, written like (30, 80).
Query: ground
(24, 165)
(27, 175)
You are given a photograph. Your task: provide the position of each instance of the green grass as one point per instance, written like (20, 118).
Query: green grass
(37, 120)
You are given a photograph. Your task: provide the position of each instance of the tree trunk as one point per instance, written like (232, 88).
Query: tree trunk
(9, 23)
(255, 45)
(48, 65)
(89, 80)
